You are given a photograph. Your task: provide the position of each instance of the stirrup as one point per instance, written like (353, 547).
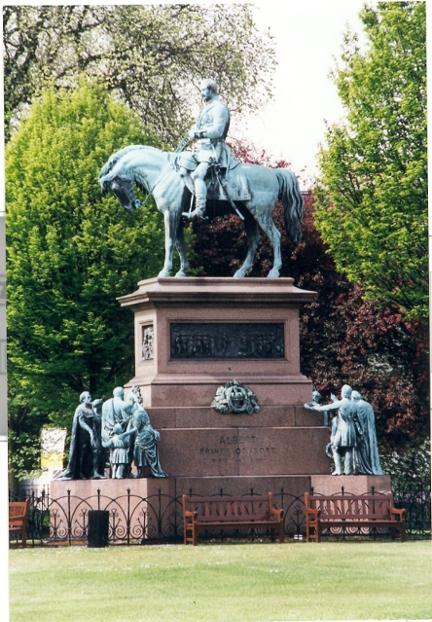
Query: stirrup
(199, 212)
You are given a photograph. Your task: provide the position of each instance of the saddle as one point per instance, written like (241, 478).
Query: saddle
(220, 181)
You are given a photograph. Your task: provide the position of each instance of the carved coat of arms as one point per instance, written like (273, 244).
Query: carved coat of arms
(235, 398)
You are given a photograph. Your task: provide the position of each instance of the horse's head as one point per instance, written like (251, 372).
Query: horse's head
(136, 164)
(121, 187)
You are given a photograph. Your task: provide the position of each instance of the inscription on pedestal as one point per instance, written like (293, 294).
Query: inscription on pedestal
(227, 340)
(243, 447)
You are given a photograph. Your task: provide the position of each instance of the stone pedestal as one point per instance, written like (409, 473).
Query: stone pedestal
(192, 336)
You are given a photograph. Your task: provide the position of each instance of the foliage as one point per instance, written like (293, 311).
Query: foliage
(70, 253)
(25, 461)
(344, 338)
(372, 195)
(152, 57)
(409, 467)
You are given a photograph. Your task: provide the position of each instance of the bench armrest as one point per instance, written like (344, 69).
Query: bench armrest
(398, 512)
(312, 512)
(190, 514)
(278, 513)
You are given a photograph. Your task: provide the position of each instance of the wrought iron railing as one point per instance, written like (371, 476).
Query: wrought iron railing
(417, 504)
(140, 520)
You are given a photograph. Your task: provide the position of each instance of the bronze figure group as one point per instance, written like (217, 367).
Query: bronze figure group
(117, 431)
(353, 442)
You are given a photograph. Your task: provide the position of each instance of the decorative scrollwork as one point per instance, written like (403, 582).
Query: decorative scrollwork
(137, 520)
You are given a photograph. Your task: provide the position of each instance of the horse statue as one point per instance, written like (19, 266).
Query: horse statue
(158, 173)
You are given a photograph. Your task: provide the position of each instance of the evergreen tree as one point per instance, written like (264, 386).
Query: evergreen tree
(70, 253)
(372, 196)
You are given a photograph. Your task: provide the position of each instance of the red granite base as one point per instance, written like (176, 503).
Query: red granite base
(196, 440)
(168, 380)
(244, 451)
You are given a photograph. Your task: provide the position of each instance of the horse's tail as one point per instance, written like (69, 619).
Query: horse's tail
(115, 157)
(292, 201)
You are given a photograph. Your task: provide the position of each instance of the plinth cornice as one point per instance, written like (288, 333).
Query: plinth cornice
(217, 290)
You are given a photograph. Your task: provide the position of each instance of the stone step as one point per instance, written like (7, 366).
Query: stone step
(206, 417)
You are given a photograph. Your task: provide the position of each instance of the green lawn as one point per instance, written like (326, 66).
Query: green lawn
(223, 582)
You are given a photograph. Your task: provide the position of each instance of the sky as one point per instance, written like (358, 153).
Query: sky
(308, 40)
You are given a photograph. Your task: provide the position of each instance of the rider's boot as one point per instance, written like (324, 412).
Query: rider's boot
(200, 200)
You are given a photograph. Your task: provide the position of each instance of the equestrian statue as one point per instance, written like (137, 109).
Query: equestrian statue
(190, 184)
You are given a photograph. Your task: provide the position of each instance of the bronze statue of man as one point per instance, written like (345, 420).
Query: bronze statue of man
(343, 434)
(209, 132)
(85, 447)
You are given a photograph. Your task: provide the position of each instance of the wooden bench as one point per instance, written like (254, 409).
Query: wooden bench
(342, 510)
(18, 515)
(224, 512)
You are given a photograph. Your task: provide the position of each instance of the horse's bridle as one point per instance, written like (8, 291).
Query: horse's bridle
(158, 180)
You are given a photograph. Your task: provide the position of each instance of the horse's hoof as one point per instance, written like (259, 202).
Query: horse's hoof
(239, 274)
(195, 214)
(180, 274)
(163, 273)
(273, 274)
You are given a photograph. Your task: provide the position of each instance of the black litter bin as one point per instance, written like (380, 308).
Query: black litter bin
(97, 535)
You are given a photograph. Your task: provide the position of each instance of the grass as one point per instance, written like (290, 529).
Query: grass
(223, 582)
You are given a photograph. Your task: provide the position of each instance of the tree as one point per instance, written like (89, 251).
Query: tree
(372, 195)
(70, 253)
(152, 57)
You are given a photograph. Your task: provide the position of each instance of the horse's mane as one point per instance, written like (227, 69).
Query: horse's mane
(116, 156)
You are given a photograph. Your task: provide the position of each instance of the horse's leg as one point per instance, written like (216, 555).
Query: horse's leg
(266, 223)
(170, 222)
(180, 244)
(252, 239)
